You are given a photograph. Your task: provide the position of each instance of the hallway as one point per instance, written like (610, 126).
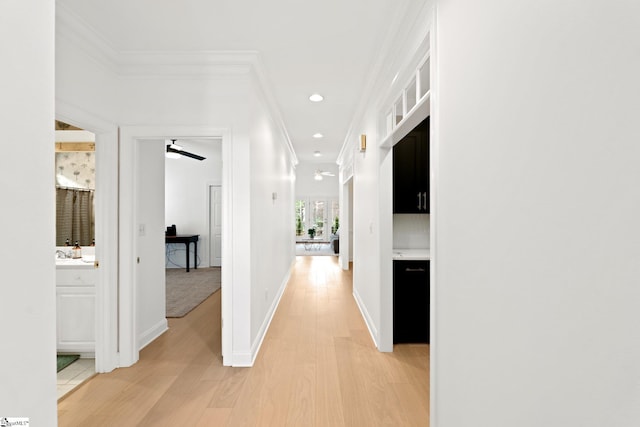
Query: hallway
(317, 367)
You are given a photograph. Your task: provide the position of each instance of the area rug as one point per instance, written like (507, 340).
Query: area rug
(185, 291)
(314, 249)
(65, 360)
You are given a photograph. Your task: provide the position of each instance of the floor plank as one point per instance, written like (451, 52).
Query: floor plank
(317, 367)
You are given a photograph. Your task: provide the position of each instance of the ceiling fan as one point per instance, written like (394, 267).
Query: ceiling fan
(319, 174)
(174, 151)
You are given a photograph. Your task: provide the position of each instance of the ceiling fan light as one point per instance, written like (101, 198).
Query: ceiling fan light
(317, 176)
(171, 155)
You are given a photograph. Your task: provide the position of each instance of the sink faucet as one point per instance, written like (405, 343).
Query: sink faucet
(60, 254)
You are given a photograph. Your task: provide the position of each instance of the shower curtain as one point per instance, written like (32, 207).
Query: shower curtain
(74, 216)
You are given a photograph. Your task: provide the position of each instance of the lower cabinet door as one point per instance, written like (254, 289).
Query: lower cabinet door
(75, 310)
(411, 301)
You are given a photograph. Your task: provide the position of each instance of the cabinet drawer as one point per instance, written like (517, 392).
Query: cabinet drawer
(79, 277)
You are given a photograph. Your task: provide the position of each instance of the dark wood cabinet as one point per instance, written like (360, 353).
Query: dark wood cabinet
(410, 302)
(411, 171)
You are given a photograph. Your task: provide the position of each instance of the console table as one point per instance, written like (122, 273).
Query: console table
(187, 239)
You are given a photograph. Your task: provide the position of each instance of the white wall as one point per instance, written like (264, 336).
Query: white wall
(272, 226)
(187, 197)
(537, 202)
(411, 231)
(150, 231)
(372, 172)
(27, 294)
(148, 92)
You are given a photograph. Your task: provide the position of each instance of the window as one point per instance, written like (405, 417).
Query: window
(317, 213)
(424, 74)
(411, 95)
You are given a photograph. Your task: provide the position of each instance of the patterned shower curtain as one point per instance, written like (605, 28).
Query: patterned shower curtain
(74, 216)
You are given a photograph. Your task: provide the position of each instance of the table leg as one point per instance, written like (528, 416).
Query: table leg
(187, 245)
(195, 255)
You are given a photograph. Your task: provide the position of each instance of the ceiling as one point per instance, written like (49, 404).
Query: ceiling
(327, 46)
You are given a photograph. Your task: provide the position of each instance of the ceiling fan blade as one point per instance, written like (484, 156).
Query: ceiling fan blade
(327, 173)
(193, 156)
(184, 153)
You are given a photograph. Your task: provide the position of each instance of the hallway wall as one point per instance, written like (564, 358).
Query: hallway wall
(272, 226)
(27, 215)
(537, 204)
(152, 91)
(372, 181)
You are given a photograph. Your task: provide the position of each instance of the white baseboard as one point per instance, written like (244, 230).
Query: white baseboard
(152, 333)
(248, 359)
(367, 318)
(242, 360)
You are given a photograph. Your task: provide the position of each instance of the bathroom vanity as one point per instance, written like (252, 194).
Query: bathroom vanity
(75, 304)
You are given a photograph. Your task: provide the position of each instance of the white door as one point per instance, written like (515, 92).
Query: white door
(215, 225)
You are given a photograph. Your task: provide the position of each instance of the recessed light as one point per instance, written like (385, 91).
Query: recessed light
(318, 135)
(316, 97)
(317, 154)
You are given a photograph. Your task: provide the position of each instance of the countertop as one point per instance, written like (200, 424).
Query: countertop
(411, 254)
(85, 262)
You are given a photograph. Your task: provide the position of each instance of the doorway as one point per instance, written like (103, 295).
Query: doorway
(135, 335)
(317, 226)
(75, 167)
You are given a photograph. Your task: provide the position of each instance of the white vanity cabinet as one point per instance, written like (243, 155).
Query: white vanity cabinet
(75, 309)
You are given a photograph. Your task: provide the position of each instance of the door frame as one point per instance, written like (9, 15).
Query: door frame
(106, 211)
(130, 137)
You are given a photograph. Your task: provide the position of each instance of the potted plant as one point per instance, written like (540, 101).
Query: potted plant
(312, 232)
(299, 226)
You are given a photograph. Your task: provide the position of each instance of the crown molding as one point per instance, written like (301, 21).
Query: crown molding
(414, 21)
(171, 64)
(150, 64)
(182, 64)
(265, 85)
(72, 28)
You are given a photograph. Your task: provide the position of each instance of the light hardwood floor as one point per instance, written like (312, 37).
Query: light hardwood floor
(317, 367)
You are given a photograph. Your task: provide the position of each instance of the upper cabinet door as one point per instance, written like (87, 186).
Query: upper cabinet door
(411, 171)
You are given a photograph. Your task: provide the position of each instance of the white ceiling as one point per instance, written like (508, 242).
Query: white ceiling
(326, 46)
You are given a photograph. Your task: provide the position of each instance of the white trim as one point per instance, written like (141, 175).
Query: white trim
(200, 64)
(434, 171)
(367, 318)
(248, 359)
(409, 122)
(227, 277)
(129, 351)
(72, 28)
(371, 82)
(147, 337)
(276, 117)
(106, 300)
